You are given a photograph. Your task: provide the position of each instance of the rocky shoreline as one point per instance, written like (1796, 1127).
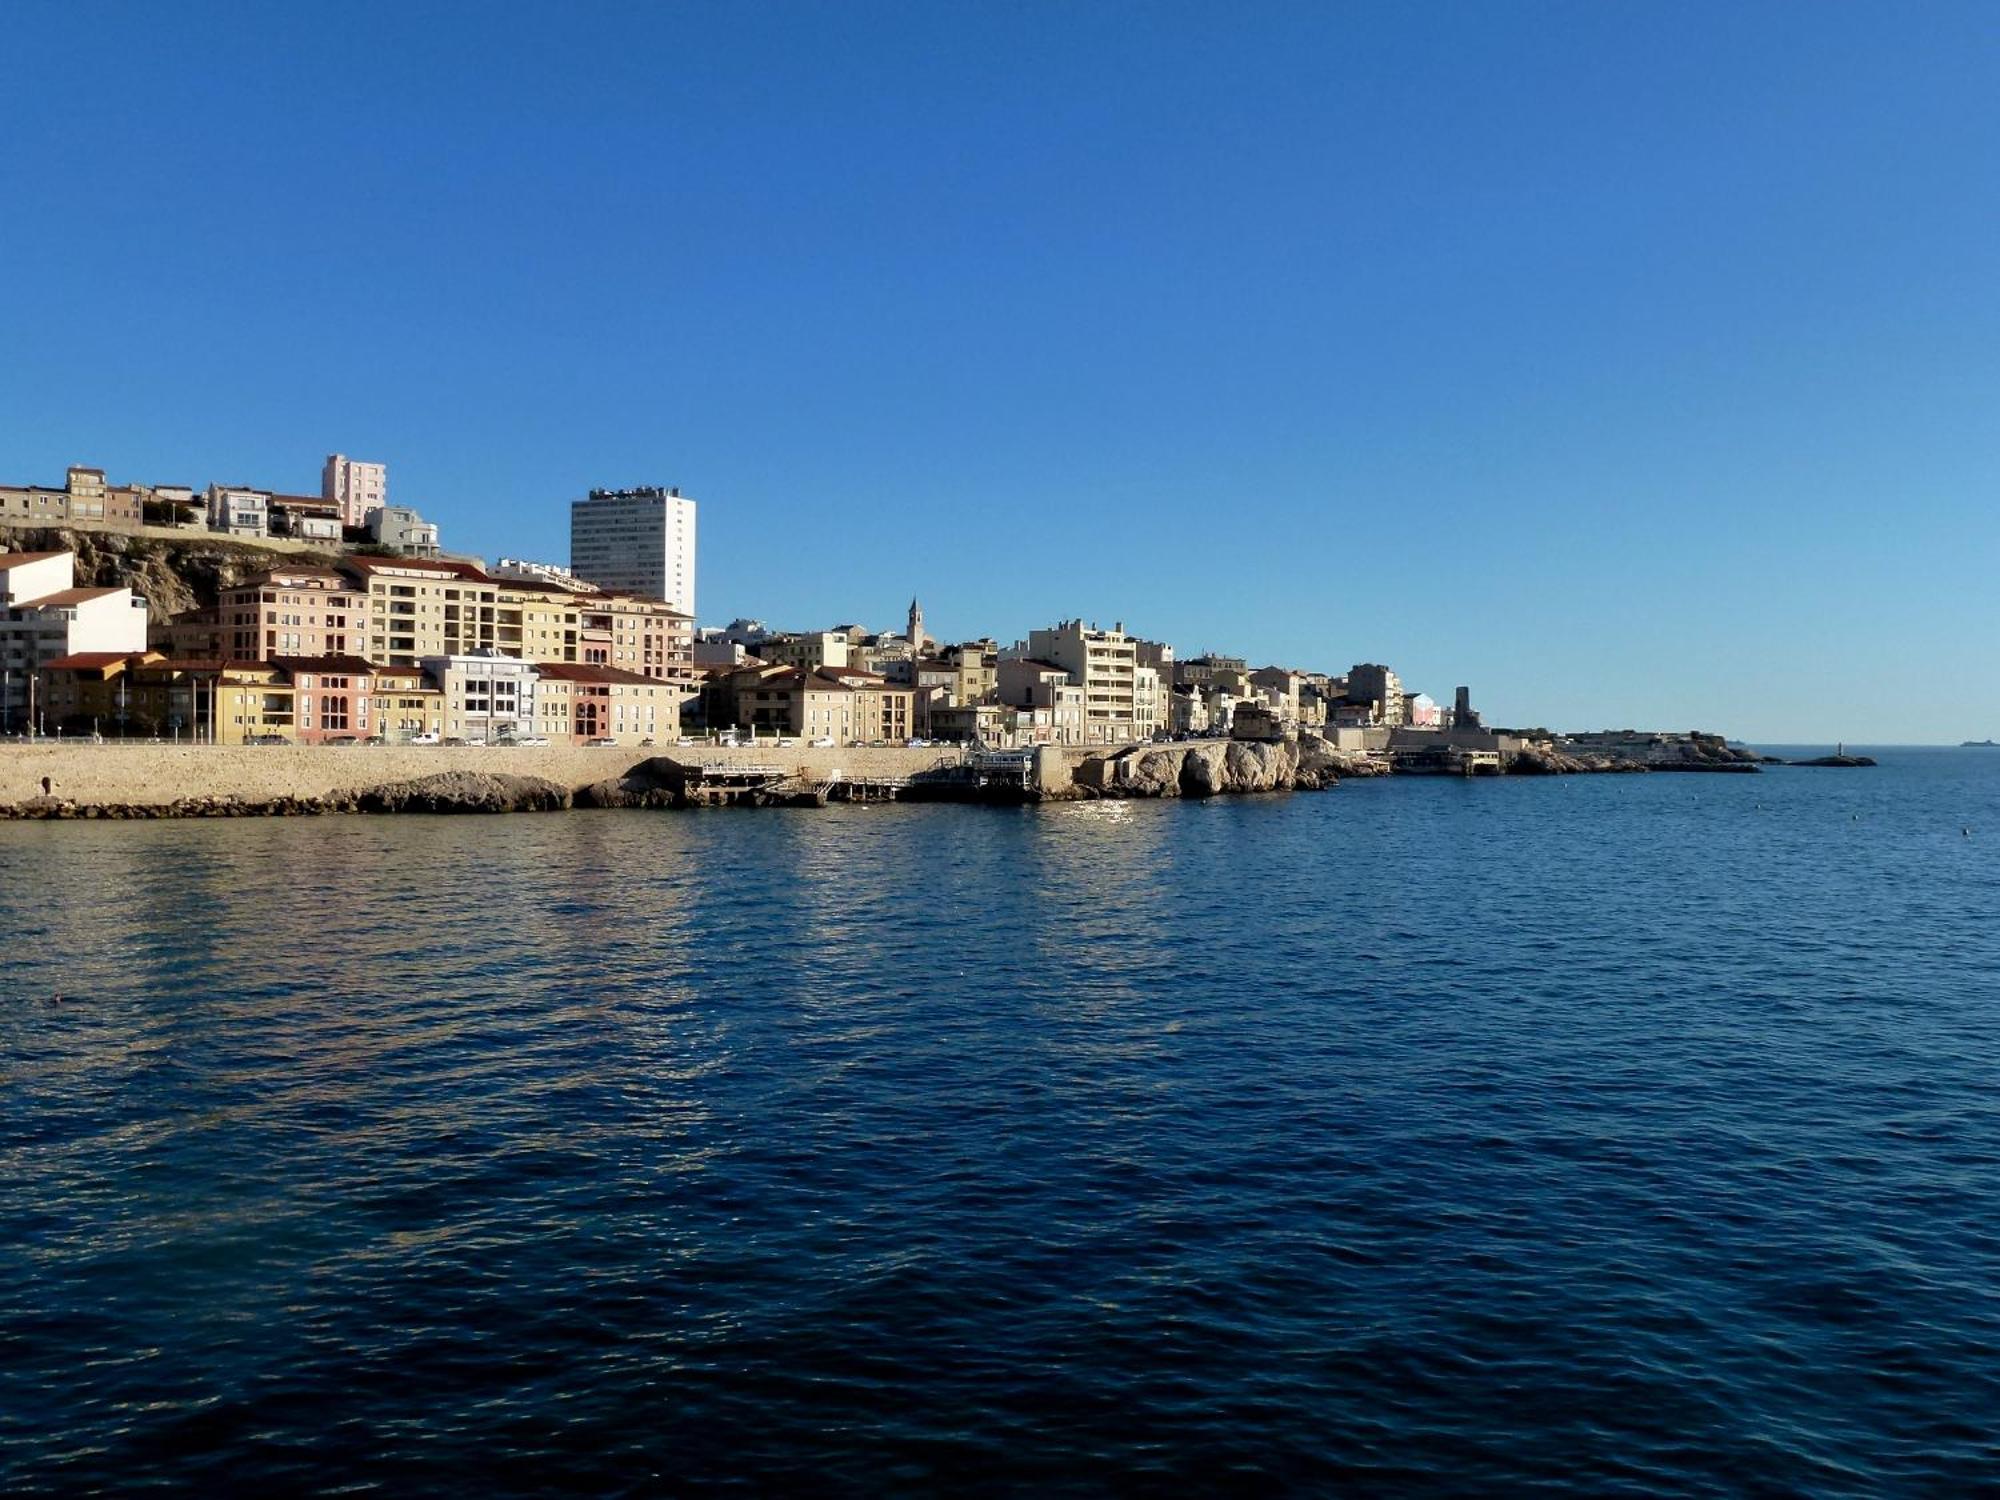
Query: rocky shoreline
(1178, 770)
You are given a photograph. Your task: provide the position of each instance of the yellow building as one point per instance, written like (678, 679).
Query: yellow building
(254, 701)
(91, 692)
(418, 608)
(406, 704)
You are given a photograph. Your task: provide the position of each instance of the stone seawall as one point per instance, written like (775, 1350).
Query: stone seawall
(142, 779)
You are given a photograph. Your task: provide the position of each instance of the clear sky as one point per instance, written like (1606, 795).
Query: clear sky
(1636, 364)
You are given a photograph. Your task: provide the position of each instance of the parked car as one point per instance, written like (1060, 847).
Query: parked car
(453, 739)
(602, 742)
(683, 740)
(788, 744)
(428, 737)
(824, 742)
(916, 744)
(343, 739)
(646, 743)
(268, 739)
(529, 742)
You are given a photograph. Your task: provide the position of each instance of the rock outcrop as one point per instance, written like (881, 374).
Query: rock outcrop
(465, 792)
(1213, 768)
(652, 783)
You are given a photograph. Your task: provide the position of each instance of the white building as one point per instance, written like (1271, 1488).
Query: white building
(635, 541)
(357, 488)
(488, 695)
(400, 529)
(239, 511)
(43, 616)
(527, 571)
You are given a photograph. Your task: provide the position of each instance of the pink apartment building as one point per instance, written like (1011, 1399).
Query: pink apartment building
(357, 488)
(291, 612)
(331, 696)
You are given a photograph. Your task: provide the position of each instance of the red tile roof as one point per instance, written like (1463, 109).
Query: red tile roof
(576, 671)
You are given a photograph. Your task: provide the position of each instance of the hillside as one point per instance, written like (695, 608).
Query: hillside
(172, 574)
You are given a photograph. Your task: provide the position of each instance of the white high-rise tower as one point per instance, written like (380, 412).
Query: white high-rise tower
(638, 541)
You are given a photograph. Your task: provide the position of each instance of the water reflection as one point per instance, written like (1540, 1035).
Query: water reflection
(1198, 1144)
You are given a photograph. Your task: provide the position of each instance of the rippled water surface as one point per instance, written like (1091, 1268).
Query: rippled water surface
(1599, 1136)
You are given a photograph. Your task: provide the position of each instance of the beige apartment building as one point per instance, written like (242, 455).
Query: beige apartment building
(1378, 689)
(1121, 699)
(577, 704)
(847, 707)
(407, 615)
(882, 710)
(288, 612)
(635, 634)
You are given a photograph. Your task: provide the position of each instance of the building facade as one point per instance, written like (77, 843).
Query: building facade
(1050, 703)
(488, 696)
(579, 704)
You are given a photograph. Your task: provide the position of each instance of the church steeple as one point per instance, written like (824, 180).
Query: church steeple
(917, 636)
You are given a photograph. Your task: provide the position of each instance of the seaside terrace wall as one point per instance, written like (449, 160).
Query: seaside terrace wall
(145, 775)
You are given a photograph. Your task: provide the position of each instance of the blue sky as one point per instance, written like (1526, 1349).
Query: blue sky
(1635, 364)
